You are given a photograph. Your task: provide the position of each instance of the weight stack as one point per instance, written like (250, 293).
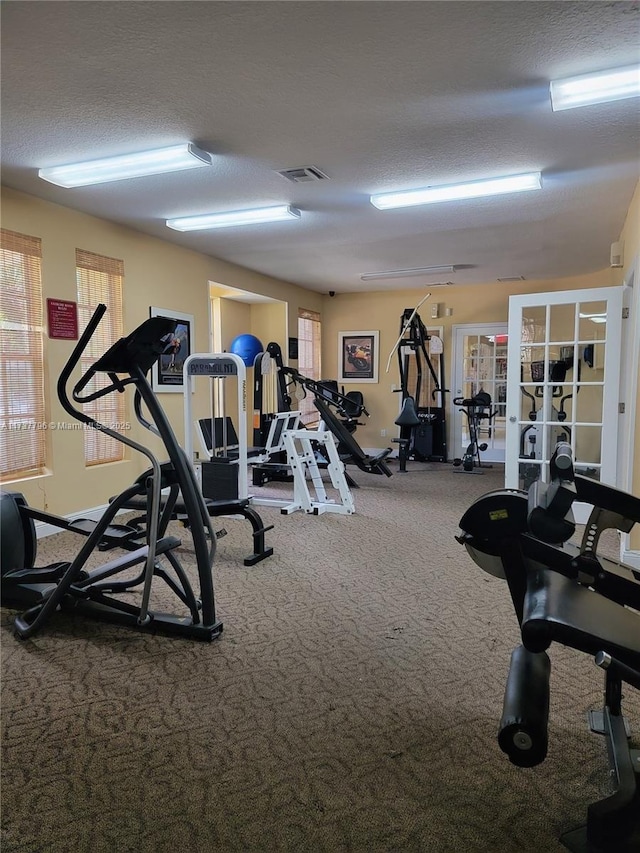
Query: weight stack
(220, 479)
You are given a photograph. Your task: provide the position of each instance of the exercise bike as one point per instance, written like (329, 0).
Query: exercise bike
(574, 596)
(70, 585)
(479, 416)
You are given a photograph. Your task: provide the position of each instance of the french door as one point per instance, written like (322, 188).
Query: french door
(563, 383)
(480, 364)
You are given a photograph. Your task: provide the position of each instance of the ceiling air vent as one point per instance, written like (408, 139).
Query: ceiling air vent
(304, 174)
(512, 278)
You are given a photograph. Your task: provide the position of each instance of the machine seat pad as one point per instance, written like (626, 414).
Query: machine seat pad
(559, 609)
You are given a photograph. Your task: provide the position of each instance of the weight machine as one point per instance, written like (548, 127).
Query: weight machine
(426, 439)
(337, 412)
(285, 437)
(572, 595)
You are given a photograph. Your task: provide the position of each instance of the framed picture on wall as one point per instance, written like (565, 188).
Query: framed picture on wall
(358, 356)
(166, 373)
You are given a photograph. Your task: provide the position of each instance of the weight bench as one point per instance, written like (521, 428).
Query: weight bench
(348, 447)
(570, 595)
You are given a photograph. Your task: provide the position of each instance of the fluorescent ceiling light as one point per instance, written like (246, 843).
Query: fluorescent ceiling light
(235, 217)
(373, 276)
(595, 88)
(453, 192)
(175, 158)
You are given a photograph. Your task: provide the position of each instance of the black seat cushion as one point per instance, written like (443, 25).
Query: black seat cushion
(559, 609)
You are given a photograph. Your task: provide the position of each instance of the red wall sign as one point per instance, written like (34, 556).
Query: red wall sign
(62, 317)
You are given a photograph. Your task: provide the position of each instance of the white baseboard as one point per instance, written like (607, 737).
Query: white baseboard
(43, 529)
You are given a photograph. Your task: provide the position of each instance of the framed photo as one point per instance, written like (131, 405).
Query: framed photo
(358, 356)
(166, 373)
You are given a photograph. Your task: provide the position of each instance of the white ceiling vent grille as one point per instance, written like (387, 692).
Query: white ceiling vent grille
(304, 174)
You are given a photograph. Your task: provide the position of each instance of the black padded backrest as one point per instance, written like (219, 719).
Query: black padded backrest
(559, 609)
(218, 433)
(18, 542)
(335, 426)
(354, 403)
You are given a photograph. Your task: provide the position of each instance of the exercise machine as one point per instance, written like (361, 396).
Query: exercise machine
(480, 416)
(560, 430)
(218, 472)
(223, 474)
(300, 447)
(423, 381)
(70, 586)
(334, 409)
(228, 470)
(572, 595)
(349, 406)
(350, 450)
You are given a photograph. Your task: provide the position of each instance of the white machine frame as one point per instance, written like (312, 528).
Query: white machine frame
(218, 366)
(286, 435)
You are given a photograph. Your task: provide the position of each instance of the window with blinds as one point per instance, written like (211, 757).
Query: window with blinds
(309, 362)
(22, 407)
(100, 279)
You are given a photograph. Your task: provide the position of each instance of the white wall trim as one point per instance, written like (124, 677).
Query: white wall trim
(44, 529)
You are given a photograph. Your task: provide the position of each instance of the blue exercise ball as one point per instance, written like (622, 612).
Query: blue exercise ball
(247, 347)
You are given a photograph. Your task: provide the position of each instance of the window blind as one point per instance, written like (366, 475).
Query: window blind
(22, 406)
(100, 279)
(309, 358)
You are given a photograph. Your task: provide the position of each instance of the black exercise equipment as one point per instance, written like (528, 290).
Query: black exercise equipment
(335, 408)
(219, 489)
(70, 586)
(352, 450)
(556, 373)
(480, 416)
(349, 406)
(574, 596)
(407, 420)
(215, 508)
(427, 440)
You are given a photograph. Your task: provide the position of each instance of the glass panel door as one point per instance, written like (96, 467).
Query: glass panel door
(481, 367)
(563, 381)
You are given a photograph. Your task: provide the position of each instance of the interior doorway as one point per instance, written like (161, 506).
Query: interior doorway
(480, 364)
(563, 383)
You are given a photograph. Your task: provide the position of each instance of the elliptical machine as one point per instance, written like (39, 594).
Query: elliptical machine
(69, 585)
(530, 437)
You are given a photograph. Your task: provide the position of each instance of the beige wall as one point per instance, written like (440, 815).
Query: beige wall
(630, 236)
(481, 303)
(156, 274)
(178, 278)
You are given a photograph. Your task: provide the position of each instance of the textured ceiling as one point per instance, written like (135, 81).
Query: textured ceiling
(378, 95)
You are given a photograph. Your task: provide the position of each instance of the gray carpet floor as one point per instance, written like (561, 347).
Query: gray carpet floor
(351, 703)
